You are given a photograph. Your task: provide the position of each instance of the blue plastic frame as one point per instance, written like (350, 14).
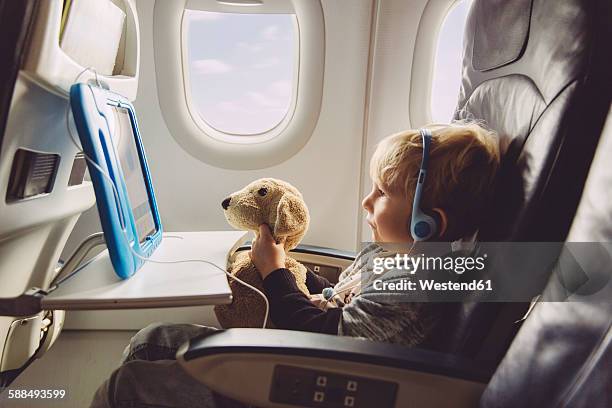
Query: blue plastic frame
(91, 106)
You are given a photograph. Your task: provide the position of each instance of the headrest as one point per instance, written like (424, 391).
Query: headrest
(537, 72)
(493, 47)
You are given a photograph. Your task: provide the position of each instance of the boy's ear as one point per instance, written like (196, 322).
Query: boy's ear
(441, 219)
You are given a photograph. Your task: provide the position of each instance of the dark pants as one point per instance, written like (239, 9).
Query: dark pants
(149, 375)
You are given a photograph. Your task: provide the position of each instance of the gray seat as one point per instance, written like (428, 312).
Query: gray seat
(15, 20)
(562, 354)
(537, 72)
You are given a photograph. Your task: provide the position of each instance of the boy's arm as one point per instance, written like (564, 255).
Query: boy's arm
(291, 309)
(316, 283)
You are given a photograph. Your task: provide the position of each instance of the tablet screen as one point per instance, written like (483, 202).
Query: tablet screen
(123, 137)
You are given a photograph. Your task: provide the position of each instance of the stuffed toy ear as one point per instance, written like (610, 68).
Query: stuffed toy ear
(291, 216)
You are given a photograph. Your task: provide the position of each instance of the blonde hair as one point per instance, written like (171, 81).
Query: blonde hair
(463, 162)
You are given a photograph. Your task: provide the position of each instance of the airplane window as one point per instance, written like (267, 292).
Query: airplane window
(241, 69)
(447, 65)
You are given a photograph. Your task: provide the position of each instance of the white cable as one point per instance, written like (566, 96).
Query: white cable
(347, 278)
(122, 220)
(351, 274)
(219, 268)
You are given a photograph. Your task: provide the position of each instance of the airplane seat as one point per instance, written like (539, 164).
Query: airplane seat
(561, 355)
(536, 72)
(18, 240)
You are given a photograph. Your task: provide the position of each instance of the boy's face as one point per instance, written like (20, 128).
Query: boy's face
(388, 215)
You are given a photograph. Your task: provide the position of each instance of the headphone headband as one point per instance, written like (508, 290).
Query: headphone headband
(422, 226)
(426, 136)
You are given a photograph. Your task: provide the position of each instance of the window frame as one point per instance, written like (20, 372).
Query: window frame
(423, 65)
(189, 128)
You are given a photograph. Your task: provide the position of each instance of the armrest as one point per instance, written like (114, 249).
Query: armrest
(281, 368)
(312, 250)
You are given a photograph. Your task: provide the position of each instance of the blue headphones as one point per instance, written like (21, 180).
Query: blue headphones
(422, 226)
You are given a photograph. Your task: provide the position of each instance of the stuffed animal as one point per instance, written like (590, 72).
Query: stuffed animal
(264, 201)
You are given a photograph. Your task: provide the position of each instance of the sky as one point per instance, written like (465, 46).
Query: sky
(241, 67)
(447, 64)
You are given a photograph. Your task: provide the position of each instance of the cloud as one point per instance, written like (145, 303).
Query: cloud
(267, 63)
(251, 47)
(271, 100)
(204, 16)
(276, 96)
(211, 67)
(263, 100)
(270, 33)
(256, 109)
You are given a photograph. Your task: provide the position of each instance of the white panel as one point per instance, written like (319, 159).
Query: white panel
(50, 66)
(37, 122)
(33, 231)
(137, 319)
(21, 342)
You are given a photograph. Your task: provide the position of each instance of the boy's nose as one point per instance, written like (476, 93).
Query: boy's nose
(226, 203)
(365, 203)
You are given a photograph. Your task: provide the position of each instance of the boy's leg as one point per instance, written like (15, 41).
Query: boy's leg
(149, 375)
(161, 341)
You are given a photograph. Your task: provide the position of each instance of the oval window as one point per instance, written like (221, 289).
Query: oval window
(447, 64)
(241, 69)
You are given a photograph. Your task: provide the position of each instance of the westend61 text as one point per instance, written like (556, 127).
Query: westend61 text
(431, 285)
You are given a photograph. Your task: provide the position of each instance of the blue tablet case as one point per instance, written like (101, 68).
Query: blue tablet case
(107, 127)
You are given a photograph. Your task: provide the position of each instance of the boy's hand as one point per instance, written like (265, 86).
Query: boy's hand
(319, 301)
(266, 254)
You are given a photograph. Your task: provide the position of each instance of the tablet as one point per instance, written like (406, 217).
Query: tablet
(108, 130)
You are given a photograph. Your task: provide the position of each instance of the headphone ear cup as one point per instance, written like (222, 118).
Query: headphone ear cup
(423, 226)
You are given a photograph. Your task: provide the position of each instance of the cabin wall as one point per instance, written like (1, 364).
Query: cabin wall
(396, 24)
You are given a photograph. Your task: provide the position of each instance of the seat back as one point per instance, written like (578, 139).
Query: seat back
(39, 204)
(15, 20)
(561, 355)
(536, 72)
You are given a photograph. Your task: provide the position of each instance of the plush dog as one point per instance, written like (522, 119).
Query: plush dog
(264, 201)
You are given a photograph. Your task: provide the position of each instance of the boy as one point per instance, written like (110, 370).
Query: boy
(463, 160)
